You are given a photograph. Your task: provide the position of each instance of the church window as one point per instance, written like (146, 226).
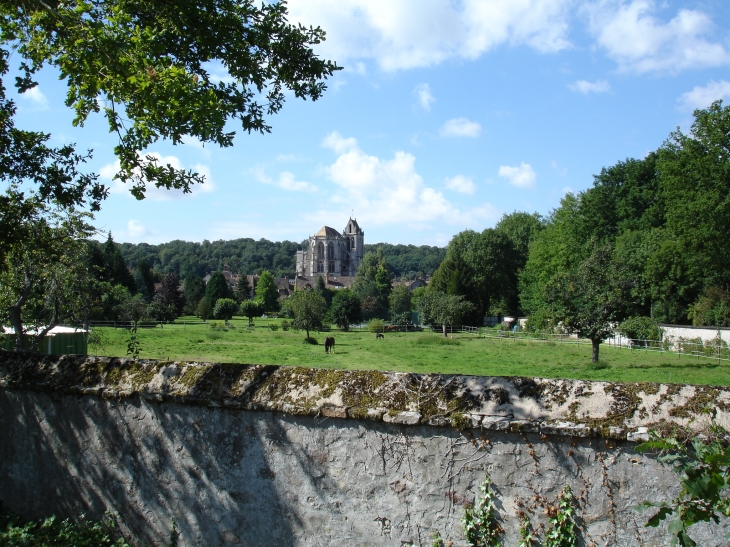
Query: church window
(320, 267)
(330, 252)
(320, 251)
(331, 267)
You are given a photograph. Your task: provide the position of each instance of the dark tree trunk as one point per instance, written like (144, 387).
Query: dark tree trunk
(444, 328)
(595, 344)
(17, 324)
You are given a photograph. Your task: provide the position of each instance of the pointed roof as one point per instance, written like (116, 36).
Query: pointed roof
(352, 227)
(326, 231)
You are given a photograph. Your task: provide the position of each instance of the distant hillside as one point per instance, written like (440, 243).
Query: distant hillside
(248, 256)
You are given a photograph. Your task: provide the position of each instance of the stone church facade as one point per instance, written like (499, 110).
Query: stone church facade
(331, 252)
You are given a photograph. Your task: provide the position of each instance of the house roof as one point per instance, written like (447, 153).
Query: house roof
(326, 231)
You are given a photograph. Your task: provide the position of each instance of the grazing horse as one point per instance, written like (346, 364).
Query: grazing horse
(379, 335)
(329, 344)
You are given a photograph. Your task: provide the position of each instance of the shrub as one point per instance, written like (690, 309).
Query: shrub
(273, 326)
(376, 325)
(640, 328)
(285, 325)
(53, 532)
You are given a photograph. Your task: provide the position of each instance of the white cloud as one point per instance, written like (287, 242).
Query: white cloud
(412, 33)
(286, 181)
(390, 191)
(135, 229)
(702, 97)
(460, 127)
(36, 97)
(522, 177)
(461, 184)
(424, 96)
(586, 87)
(641, 43)
(110, 170)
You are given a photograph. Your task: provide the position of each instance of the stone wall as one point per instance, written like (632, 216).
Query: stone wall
(254, 455)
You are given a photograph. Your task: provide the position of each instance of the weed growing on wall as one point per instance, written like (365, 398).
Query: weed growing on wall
(561, 530)
(52, 532)
(481, 528)
(527, 534)
(704, 467)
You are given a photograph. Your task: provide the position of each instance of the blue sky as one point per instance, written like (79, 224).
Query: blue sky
(448, 114)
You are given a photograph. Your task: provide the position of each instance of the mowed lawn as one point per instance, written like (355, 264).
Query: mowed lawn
(424, 352)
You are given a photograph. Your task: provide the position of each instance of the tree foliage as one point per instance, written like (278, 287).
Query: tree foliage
(309, 309)
(217, 288)
(400, 304)
(346, 309)
(225, 308)
(250, 309)
(267, 293)
(145, 65)
(443, 309)
(193, 291)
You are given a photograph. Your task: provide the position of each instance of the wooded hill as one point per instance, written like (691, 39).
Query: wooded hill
(248, 256)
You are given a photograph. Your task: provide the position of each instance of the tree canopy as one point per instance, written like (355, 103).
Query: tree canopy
(147, 66)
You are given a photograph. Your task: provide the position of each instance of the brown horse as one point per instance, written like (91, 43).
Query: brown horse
(329, 344)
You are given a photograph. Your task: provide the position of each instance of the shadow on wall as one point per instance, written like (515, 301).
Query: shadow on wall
(150, 463)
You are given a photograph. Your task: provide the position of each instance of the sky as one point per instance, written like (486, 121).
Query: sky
(447, 115)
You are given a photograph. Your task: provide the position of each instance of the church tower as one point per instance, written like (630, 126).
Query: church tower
(331, 252)
(355, 238)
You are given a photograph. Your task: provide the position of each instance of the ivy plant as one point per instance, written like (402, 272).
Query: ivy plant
(562, 529)
(704, 469)
(481, 528)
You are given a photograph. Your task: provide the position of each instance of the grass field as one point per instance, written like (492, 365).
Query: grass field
(424, 352)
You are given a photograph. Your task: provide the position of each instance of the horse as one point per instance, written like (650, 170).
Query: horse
(379, 335)
(329, 344)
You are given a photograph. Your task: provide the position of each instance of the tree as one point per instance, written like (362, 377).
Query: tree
(144, 278)
(204, 308)
(144, 63)
(134, 309)
(225, 308)
(216, 288)
(372, 283)
(267, 292)
(482, 267)
(695, 178)
(346, 309)
(591, 300)
(115, 270)
(443, 309)
(400, 305)
(309, 309)
(243, 289)
(169, 294)
(250, 309)
(43, 274)
(193, 291)
(321, 288)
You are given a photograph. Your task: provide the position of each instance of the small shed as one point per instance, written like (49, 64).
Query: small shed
(58, 341)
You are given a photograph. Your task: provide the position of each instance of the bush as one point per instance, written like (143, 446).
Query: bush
(376, 325)
(273, 326)
(640, 328)
(285, 325)
(52, 532)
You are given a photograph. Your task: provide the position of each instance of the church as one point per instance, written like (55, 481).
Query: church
(332, 253)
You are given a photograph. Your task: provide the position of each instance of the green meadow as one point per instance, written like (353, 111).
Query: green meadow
(423, 352)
